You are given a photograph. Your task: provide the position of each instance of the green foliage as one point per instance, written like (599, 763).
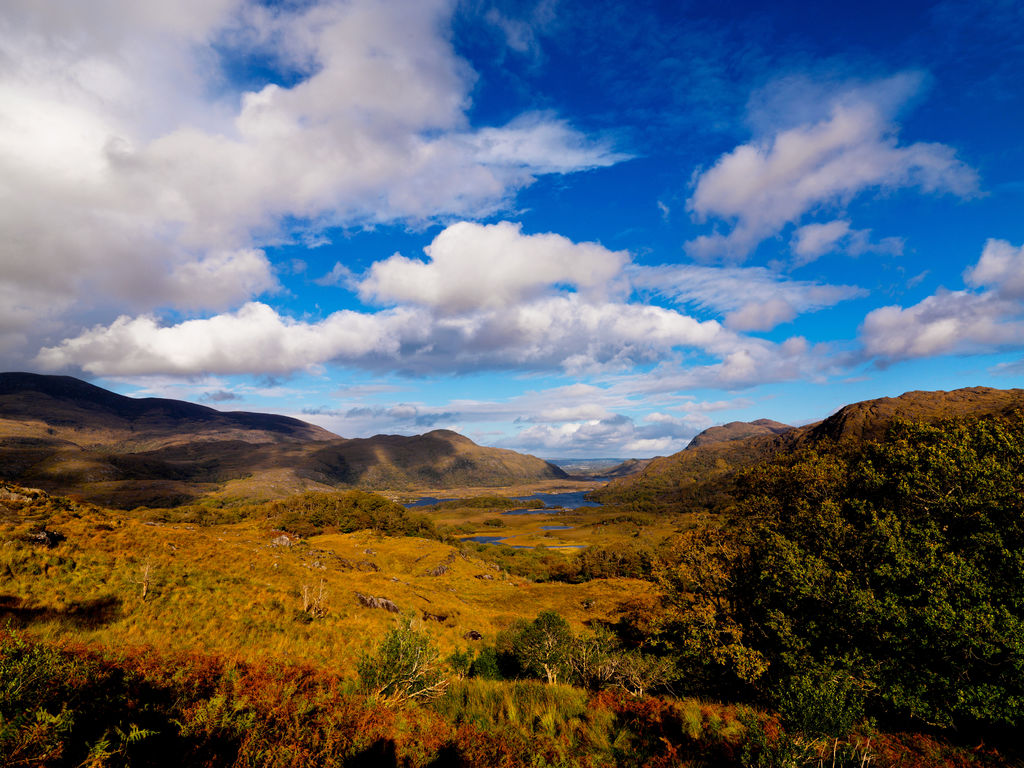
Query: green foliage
(626, 559)
(312, 513)
(900, 569)
(489, 502)
(821, 703)
(461, 662)
(486, 664)
(542, 646)
(406, 666)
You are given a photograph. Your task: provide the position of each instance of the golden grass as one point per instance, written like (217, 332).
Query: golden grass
(231, 591)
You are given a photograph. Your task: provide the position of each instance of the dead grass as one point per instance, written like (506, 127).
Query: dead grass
(231, 591)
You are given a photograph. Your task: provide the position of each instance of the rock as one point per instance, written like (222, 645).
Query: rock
(369, 601)
(485, 576)
(472, 635)
(366, 565)
(281, 541)
(369, 551)
(439, 618)
(47, 538)
(439, 571)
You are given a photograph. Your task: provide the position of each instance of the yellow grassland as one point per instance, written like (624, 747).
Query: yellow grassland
(230, 590)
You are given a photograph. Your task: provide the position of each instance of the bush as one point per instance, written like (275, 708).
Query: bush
(486, 664)
(312, 513)
(900, 563)
(405, 666)
(821, 703)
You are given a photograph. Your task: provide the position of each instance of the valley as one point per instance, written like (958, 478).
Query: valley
(733, 604)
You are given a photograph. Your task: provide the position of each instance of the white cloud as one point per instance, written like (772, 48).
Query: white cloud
(955, 322)
(812, 241)
(474, 266)
(340, 276)
(1000, 267)
(769, 183)
(219, 280)
(554, 333)
(752, 298)
(746, 362)
(130, 165)
(614, 435)
(255, 339)
(945, 323)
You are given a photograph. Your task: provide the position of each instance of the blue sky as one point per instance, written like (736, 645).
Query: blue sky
(576, 229)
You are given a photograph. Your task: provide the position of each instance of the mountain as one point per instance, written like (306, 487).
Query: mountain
(738, 430)
(67, 436)
(698, 477)
(66, 408)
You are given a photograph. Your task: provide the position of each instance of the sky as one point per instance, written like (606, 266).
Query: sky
(574, 228)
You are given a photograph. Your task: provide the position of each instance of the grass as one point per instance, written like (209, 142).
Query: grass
(137, 637)
(241, 593)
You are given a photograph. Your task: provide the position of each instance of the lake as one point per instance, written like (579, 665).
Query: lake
(568, 500)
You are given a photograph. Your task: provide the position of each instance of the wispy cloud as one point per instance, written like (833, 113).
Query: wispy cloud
(763, 186)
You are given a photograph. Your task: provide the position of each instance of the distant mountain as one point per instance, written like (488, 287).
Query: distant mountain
(698, 476)
(738, 430)
(600, 469)
(66, 408)
(67, 436)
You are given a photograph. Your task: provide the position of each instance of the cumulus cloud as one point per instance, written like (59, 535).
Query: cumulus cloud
(615, 435)
(944, 323)
(474, 266)
(135, 175)
(774, 181)
(554, 333)
(751, 298)
(1001, 267)
(255, 339)
(955, 322)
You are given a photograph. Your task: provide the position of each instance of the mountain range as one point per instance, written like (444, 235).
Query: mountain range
(70, 437)
(699, 476)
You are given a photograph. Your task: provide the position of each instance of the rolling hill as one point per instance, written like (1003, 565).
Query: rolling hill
(67, 436)
(698, 476)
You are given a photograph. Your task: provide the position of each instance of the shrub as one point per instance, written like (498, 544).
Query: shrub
(486, 664)
(405, 666)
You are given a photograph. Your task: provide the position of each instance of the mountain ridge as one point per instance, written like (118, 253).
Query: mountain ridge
(68, 436)
(692, 476)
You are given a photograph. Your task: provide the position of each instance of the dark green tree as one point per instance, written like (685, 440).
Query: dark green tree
(893, 573)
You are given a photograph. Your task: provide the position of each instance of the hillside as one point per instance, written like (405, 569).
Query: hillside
(67, 436)
(698, 476)
(738, 430)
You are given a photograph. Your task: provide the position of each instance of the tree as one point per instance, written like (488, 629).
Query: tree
(542, 646)
(896, 568)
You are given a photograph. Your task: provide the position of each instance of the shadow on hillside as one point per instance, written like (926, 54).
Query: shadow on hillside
(381, 754)
(82, 614)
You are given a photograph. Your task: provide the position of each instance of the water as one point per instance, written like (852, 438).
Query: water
(486, 539)
(568, 500)
(501, 540)
(426, 501)
(556, 527)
